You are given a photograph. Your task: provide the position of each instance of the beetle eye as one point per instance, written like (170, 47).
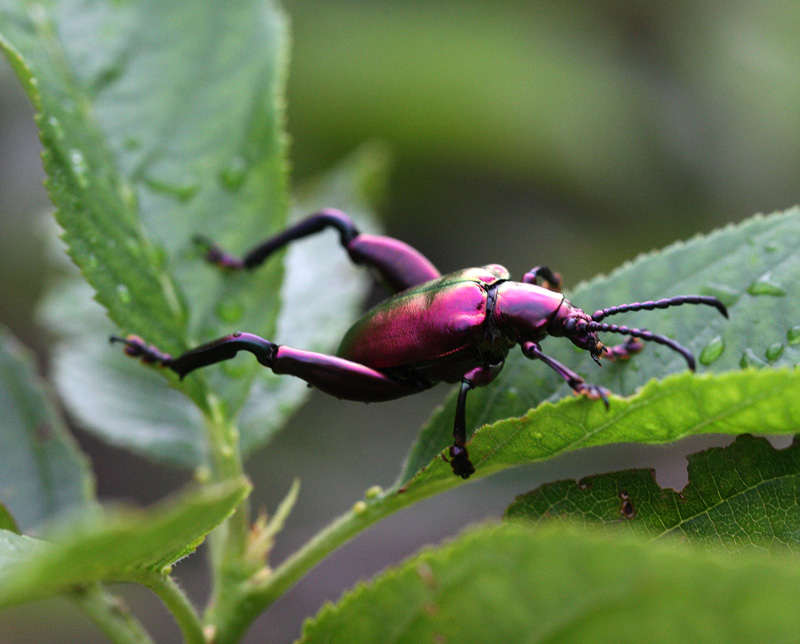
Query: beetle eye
(569, 325)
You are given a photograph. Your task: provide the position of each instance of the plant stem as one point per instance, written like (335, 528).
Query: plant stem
(178, 604)
(110, 615)
(253, 597)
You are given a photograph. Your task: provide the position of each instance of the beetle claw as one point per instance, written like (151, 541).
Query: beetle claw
(593, 392)
(459, 461)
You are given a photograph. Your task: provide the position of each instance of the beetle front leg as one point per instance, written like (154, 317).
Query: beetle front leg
(624, 350)
(550, 280)
(399, 265)
(533, 351)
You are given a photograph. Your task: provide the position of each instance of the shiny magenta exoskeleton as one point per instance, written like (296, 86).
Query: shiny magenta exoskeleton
(453, 328)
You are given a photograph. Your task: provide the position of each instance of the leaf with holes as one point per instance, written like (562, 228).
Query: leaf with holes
(739, 497)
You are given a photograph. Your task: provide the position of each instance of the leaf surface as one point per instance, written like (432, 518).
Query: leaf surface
(139, 159)
(113, 545)
(513, 584)
(43, 473)
(739, 497)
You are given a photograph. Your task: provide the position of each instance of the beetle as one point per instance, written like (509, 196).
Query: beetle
(434, 328)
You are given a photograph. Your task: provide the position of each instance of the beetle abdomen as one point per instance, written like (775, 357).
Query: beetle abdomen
(437, 319)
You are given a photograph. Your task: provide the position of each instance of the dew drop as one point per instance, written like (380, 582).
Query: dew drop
(232, 176)
(55, 124)
(774, 351)
(91, 262)
(750, 359)
(724, 293)
(123, 293)
(793, 335)
(79, 168)
(771, 247)
(712, 351)
(183, 191)
(764, 285)
(229, 311)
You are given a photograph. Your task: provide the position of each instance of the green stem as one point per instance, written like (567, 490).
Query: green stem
(228, 542)
(253, 596)
(110, 615)
(177, 603)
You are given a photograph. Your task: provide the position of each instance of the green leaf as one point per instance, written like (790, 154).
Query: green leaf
(7, 521)
(151, 136)
(116, 545)
(740, 497)
(513, 584)
(753, 267)
(42, 472)
(129, 405)
(17, 549)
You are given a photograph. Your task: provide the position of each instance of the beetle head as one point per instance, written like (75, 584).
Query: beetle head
(571, 322)
(581, 328)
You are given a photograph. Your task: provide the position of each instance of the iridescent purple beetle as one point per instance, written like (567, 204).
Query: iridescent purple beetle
(434, 328)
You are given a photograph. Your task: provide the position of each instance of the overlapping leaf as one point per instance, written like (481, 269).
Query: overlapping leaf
(113, 545)
(43, 474)
(139, 159)
(512, 584)
(738, 497)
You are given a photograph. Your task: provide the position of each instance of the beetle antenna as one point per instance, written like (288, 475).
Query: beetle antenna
(661, 304)
(644, 335)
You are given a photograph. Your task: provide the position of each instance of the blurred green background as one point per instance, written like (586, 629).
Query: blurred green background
(573, 134)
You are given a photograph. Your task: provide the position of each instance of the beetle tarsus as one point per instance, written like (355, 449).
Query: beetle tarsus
(216, 256)
(136, 347)
(625, 350)
(550, 280)
(459, 461)
(592, 392)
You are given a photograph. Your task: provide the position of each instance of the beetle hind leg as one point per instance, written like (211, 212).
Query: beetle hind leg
(399, 265)
(333, 375)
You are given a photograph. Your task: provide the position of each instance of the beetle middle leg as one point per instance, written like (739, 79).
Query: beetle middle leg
(459, 456)
(399, 265)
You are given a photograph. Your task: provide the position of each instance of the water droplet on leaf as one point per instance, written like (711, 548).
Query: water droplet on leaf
(712, 350)
(724, 293)
(774, 351)
(793, 335)
(79, 168)
(123, 293)
(764, 285)
(233, 175)
(229, 311)
(183, 191)
(750, 359)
